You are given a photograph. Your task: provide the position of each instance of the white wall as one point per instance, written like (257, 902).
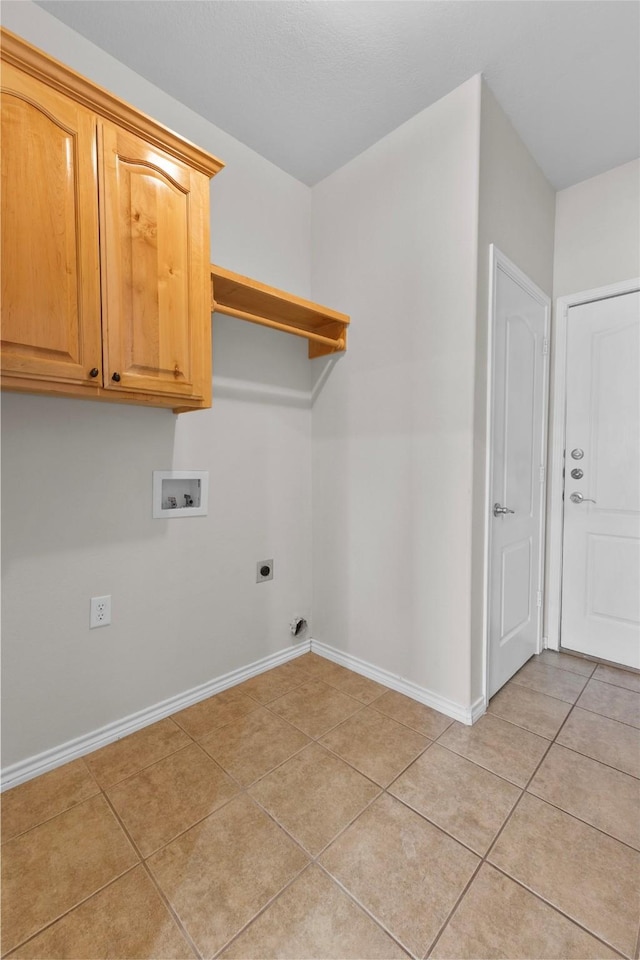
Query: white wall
(598, 231)
(77, 480)
(597, 243)
(517, 209)
(394, 245)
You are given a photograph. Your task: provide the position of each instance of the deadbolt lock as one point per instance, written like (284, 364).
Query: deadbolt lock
(577, 473)
(577, 453)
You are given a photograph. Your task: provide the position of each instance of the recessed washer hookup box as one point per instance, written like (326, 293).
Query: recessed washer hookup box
(180, 493)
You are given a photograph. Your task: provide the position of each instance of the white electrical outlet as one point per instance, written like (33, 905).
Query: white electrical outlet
(100, 612)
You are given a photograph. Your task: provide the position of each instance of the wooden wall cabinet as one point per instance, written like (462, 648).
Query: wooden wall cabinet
(105, 243)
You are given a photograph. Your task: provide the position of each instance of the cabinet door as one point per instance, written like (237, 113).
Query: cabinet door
(50, 253)
(155, 262)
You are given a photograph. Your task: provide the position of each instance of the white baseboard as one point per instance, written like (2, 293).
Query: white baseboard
(24, 770)
(450, 708)
(478, 709)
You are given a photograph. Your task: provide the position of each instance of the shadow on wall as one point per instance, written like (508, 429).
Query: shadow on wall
(266, 366)
(76, 473)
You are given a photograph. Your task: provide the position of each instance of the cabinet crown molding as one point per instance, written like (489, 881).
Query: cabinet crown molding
(40, 65)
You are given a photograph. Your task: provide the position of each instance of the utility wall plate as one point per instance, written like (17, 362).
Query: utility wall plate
(180, 493)
(264, 570)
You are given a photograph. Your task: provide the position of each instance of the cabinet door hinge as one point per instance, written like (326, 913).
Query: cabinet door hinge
(542, 474)
(539, 598)
(545, 346)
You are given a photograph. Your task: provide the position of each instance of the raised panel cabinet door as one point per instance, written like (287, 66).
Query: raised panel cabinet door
(155, 263)
(50, 251)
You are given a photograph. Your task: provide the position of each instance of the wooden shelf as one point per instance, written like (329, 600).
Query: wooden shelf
(238, 296)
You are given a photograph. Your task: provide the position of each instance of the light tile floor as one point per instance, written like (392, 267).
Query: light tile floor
(310, 812)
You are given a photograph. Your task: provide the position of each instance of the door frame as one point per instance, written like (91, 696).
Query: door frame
(555, 520)
(497, 259)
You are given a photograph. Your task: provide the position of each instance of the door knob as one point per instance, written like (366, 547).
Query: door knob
(94, 372)
(499, 511)
(578, 498)
(116, 377)
(577, 454)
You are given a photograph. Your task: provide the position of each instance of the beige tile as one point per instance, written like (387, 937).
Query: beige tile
(565, 661)
(203, 718)
(375, 744)
(315, 707)
(592, 878)
(224, 870)
(503, 748)
(613, 743)
(313, 796)
(405, 871)
(274, 683)
(313, 918)
(619, 678)
(254, 745)
(327, 670)
(167, 798)
(50, 869)
(464, 799)
(613, 702)
(314, 666)
(605, 798)
(430, 723)
(355, 685)
(529, 709)
(131, 754)
(44, 797)
(125, 921)
(499, 918)
(550, 680)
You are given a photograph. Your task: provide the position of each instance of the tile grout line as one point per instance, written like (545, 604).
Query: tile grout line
(612, 683)
(550, 743)
(499, 834)
(129, 776)
(484, 859)
(75, 906)
(556, 909)
(557, 666)
(172, 912)
(377, 920)
(385, 790)
(242, 789)
(566, 746)
(575, 816)
(245, 790)
(624, 723)
(545, 693)
(381, 789)
(496, 838)
(312, 861)
(434, 943)
(345, 827)
(263, 909)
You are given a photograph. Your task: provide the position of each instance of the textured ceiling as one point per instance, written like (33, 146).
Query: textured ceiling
(309, 84)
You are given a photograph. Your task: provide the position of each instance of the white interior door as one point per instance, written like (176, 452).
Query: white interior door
(518, 429)
(601, 541)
